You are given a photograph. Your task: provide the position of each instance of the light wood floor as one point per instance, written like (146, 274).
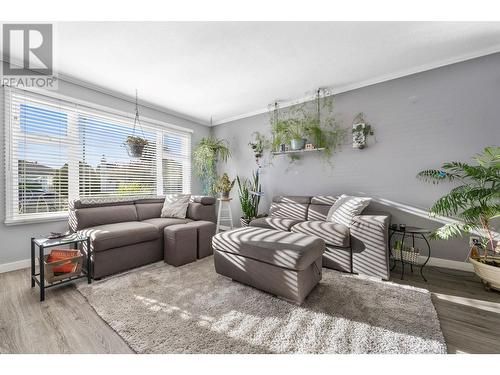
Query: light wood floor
(65, 322)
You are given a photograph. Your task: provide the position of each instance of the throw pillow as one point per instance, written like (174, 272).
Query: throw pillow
(176, 206)
(346, 207)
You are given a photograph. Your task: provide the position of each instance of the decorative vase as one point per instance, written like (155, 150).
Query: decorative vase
(224, 195)
(490, 275)
(297, 144)
(245, 222)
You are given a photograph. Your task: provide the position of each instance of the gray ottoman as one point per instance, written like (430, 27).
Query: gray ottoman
(206, 230)
(285, 264)
(180, 244)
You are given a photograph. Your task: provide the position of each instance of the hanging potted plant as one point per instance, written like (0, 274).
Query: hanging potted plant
(224, 185)
(135, 146)
(360, 132)
(476, 203)
(258, 145)
(249, 193)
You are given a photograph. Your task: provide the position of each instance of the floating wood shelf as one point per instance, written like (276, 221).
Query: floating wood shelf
(298, 151)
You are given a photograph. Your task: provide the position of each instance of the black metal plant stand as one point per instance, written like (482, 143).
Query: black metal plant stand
(407, 233)
(44, 243)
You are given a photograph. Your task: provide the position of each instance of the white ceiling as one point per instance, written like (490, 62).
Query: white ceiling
(232, 69)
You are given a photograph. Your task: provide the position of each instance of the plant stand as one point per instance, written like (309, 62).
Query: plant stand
(224, 215)
(44, 243)
(407, 233)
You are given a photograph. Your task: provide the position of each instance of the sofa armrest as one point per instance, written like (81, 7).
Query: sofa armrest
(369, 243)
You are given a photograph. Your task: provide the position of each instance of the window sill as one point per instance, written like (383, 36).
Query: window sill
(37, 219)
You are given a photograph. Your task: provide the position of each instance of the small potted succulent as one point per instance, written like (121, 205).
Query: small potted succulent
(224, 185)
(135, 146)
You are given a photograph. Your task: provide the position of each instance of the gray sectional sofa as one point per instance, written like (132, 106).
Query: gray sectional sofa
(129, 234)
(358, 248)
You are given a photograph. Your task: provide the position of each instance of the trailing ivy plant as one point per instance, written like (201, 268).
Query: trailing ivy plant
(206, 154)
(313, 120)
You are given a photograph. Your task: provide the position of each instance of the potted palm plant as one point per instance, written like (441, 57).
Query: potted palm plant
(249, 192)
(476, 205)
(224, 185)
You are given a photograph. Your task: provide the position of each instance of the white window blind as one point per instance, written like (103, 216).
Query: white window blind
(57, 150)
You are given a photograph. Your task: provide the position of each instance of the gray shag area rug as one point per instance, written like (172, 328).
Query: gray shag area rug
(191, 309)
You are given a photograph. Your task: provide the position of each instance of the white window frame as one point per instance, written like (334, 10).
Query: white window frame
(11, 176)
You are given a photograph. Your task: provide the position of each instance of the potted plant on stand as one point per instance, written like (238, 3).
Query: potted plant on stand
(223, 186)
(249, 193)
(476, 204)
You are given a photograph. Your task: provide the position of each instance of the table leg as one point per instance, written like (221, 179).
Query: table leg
(402, 261)
(33, 262)
(413, 245)
(89, 262)
(42, 274)
(217, 229)
(427, 260)
(390, 250)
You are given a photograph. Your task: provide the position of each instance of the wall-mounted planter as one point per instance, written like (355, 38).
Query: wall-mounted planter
(297, 144)
(360, 132)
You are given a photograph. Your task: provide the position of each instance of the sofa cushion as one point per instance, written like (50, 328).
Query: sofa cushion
(109, 236)
(332, 233)
(95, 216)
(318, 212)
(204, 200)
(274, 223)
(163, 222)
(283, 249)
(294, 199)
(176, 206)
(327, 200)
(200, 211)
(148, 210)
(289, 210)
(346, 208)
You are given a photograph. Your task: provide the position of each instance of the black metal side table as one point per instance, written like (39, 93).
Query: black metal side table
(407, 233)
(43, 243)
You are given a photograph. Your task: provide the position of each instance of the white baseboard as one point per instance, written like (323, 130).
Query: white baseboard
(436, 262)
(14, 266)
(445, 263)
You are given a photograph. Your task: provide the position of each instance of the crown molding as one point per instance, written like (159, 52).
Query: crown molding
(128, 98)
(373, 81)
(115, 94)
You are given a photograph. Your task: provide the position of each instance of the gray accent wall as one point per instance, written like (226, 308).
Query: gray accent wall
(420, 121)
(14, 239)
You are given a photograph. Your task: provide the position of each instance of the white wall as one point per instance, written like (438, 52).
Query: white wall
(420, 121)
(14, 240)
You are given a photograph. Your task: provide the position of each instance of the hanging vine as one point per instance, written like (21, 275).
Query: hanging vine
(312, 120)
